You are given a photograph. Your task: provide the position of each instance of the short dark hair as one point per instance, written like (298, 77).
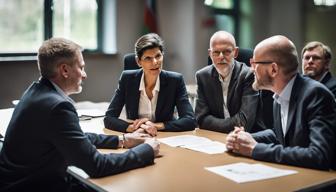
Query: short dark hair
(312, 45)
(55, 51)
(148, 41)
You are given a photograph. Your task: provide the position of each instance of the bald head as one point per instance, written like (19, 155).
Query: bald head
(222, 36)
(280, 50)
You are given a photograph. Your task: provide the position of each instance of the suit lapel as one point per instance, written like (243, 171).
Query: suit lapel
(163, 93)
(217, 87)
(134, 94)
(277, 122)
(233, 82)
(292, 104)
(326, 78)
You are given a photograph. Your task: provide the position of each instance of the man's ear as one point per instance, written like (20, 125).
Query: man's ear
(236, 52)
(274, 69)
(64, 70)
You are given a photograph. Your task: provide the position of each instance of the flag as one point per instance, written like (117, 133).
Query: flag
(150, 20)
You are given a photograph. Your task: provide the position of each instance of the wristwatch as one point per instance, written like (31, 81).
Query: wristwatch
(121, 140)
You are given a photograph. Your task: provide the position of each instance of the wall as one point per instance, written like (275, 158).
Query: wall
(273, 17)
(319, 27)
(182, 27)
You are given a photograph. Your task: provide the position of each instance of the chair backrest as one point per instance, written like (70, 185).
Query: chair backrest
(129, 62)
(244, 56)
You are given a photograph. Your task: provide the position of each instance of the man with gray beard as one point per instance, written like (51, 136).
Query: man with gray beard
(225, 97)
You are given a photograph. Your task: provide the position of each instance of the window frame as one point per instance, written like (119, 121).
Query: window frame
(48, 30)
(233, 12)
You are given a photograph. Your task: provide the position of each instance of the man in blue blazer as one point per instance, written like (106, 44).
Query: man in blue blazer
(150, 94)
(44, 135)
(304, 112)
(316, 61)
(225, 97)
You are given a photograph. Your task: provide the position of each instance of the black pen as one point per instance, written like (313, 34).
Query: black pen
(85, 118)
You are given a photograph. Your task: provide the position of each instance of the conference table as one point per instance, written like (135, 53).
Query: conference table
(180, 169)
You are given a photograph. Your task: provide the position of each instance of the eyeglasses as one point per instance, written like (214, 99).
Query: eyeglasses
(149, 59)
(252, 62)
(217, 53)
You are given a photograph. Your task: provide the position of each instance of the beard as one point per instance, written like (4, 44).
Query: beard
(224, 69)
(312, 74)
(76, 87)
(262, 83)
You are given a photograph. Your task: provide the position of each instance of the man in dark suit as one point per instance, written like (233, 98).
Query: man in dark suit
(316, 61)
(304, 112)
(44, 135)
(225, 97)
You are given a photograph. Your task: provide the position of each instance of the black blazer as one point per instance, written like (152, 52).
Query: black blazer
(242, 100)
(310, 137)
(172, 94)
(44, 137)
(330, 82)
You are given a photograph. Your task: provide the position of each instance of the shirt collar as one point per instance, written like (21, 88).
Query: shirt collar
(61, 92)
(142, 83)
(227, 78)
(323, 76)
(285, 93)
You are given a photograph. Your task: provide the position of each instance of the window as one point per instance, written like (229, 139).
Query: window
(82, 21)
(76, 20)
(21, 26)
(226, 15)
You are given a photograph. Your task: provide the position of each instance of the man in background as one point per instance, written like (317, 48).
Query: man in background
(225, 97)
(44, 136)
(316, 61)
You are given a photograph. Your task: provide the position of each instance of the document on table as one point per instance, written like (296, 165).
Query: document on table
(78, 172)
(90, 113)
(195, 143)
(244, 172)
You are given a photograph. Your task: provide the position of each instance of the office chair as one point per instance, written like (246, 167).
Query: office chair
(129, 62)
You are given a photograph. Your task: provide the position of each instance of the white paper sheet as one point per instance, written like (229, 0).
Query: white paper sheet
(195, 143)
(5, 117)
(244, 172)
(209, 147)
(180, 140)
(90, 113)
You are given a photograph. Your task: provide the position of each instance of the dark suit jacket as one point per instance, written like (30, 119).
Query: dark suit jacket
(242, 100)
(44, 137)
(310, 137)
(172, 94)
(330, 82)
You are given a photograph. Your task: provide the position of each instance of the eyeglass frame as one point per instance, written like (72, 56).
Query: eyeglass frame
(226, 52)
(260, 62)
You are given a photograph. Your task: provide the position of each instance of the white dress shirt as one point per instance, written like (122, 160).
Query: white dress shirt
(225, 87)
(147, 107)
(283, 100)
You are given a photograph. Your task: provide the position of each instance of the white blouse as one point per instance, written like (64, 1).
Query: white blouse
(147, 107)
